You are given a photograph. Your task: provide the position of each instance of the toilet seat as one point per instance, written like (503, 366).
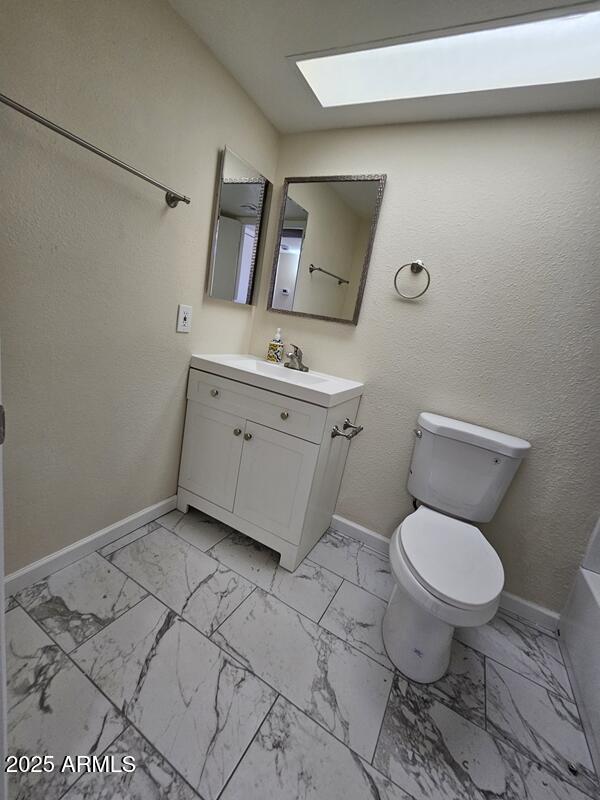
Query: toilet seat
(451, 559)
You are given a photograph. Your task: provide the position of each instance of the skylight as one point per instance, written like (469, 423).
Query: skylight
(558, 50)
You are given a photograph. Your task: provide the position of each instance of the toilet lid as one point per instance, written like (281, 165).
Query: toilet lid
(451, 558)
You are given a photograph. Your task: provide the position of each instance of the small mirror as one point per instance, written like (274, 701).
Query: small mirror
(237, 229)
(326, 231)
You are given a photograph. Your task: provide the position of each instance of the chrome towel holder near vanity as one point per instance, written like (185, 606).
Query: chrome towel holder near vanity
(415, 267)
(354, 430)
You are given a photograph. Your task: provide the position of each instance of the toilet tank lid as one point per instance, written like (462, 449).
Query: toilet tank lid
(474, 434)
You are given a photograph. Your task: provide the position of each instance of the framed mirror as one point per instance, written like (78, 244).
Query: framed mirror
(326, 230)
(237, 229)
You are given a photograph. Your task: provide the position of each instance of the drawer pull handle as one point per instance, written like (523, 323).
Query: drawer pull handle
(237, 431)
(284, 414)
(247, 436)
(214, 392)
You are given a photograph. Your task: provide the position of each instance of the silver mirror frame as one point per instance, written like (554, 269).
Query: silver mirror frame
(262, 224)
(373, 228)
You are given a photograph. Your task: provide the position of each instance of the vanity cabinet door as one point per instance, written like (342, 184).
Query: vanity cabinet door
(210, 460)
(275, 479)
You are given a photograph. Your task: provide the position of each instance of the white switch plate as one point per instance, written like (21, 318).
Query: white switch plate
(184, 319)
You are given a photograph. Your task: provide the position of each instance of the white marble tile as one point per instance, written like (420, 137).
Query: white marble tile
(434, 753)
(340, 688)
(539, 724)
(76, 602)
(52, 709)
(196, 706)
(195, 527)
(251, 559)
(196, 586)
(308, 589)
(153, 778)
(528, 780)
(292, 757)
(356, 616)
(128, 538)
(521, 647)
(355, 562)
(463, 687)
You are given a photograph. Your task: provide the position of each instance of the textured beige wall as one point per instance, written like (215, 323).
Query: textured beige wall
(506, 213)
(93, 263)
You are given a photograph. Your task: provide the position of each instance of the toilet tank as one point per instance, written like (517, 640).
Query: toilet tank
(462, 469)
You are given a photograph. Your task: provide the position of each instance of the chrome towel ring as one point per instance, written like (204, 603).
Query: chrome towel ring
(416, 267)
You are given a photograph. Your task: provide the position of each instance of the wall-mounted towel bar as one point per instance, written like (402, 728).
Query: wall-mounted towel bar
(312, 269)
(172, 197)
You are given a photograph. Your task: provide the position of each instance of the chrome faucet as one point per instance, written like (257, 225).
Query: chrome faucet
(295, 360)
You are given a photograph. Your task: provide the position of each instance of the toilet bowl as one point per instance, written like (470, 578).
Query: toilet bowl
(446, 575)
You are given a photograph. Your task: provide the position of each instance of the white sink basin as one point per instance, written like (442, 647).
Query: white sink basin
(313, 387)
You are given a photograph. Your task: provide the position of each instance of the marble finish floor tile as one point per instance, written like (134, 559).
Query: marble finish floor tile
(463, 687)
(196, 706)
(153, 778)
(521, 647)
(292, 757)
(195, 527)
(251, 559)
(435, 754)
(128, 538)
(354, 561)
(539, 724)
(53, 709)
(193, 584)
(528, 780)
(308, 589)
(341, 689)
(10, 604)
(78, 601)
(356, 616)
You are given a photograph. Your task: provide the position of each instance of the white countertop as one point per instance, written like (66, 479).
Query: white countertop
(312, 387)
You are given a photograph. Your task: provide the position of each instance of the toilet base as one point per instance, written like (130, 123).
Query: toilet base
(417, 642)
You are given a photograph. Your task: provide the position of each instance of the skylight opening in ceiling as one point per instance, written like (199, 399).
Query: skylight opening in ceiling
(549, 51)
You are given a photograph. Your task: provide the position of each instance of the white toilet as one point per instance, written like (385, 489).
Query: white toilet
(446, 572)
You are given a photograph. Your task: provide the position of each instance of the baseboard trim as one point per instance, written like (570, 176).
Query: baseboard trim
(62, 558)
(510, 603)
(376, 541)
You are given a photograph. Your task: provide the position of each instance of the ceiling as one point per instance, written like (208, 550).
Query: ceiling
(254, 40)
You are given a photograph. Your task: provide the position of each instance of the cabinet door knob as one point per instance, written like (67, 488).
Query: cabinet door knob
(284, 414)
(214, 392)
(247, 436)
(237, 431)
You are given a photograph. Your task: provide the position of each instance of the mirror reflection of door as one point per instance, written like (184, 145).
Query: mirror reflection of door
(290, 252)
(237, 230)
(326, 232)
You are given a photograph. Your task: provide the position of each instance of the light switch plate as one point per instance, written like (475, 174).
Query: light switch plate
(184, 319)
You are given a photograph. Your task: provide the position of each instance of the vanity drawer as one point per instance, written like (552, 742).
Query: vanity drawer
(276, 411)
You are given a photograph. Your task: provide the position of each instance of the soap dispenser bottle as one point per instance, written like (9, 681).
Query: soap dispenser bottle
(275, 348)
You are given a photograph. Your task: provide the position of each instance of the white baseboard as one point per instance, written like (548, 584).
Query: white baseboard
(530, 612)
(517, 606)
(61, 558)
(376, 541)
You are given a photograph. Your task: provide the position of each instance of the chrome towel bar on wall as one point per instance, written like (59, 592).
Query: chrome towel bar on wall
(415, 267)
(172, 198)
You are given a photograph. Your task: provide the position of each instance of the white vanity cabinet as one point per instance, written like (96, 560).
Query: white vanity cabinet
(261, 461)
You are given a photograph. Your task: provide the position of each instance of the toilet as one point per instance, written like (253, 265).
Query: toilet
(446, 572)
